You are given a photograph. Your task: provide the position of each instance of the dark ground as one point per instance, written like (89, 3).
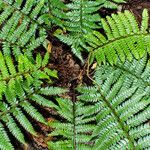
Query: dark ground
(71, 73)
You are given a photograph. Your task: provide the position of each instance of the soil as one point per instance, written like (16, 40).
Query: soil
(71, 72)
(137, 6)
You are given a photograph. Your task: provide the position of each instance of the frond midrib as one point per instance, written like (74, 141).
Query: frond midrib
(19, 103)
(80, 32)
(117, 118)
(74, 126)
(109, 42)
(81, 14)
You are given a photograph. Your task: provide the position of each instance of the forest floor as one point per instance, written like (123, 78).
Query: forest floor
(71, 73)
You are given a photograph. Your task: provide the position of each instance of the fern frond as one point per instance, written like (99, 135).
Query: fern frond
(137, 70)
(111, 114)
(25, 69)
(76, 129)
(80, 19)
(21, 27)
(124, 38)
(21, 87)
(122, 96)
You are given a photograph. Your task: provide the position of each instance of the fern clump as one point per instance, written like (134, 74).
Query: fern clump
(78, 18)
(121, 96)
(124, 38)
(112, 113)
(20, 88)
(117, 105)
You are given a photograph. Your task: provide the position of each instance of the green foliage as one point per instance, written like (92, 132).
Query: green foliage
(20, 88)
(23, 81)
(75, 129)
(56, 12)
(122, 122)
(21, 26)
(117, 105)
(78, 18)
(113, 113)
(123, 38)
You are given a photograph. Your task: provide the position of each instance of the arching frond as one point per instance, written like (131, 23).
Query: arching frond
(112, 114)
(121, 96)
(123, 38)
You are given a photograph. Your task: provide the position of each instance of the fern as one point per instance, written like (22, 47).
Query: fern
(20, 88)
(80, 18)
(124, 38)
(111, 4)
(113, 113)
(122, 96)
(21, 26)
(76, 128)
(25, 69)
(56, 12)
(117, 106)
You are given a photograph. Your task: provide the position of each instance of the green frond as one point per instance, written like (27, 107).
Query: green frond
(124, 38)
(56, 12)
(25, 69)
(121, 102)
(76, 129)
(80, 18)
(21, 87)
(52, 91)
(77, 19)
(144, 25)
(11, 125)
(111, 4)
(20, 24)
(112, 114)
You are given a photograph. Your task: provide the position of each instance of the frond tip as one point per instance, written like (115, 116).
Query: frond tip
(19, 24)
(80, 18)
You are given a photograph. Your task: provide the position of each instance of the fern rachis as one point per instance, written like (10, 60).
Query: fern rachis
(117, 105)
(124, 38)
